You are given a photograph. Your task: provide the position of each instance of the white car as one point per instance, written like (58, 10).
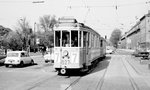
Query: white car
(109, 51)
(18, 58)
(49, 57)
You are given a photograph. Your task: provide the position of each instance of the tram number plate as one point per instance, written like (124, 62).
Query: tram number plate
(65, 62)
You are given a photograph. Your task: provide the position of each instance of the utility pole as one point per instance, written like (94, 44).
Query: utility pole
(145, 35)
(34, 36)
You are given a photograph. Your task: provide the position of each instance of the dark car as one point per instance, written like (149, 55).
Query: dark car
(2, 56)
(143, 54)
(2, 59)
(136, 53)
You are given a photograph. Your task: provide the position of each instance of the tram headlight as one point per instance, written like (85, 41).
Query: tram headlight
(65, 53)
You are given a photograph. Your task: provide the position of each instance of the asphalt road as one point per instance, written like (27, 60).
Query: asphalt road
(119, 71)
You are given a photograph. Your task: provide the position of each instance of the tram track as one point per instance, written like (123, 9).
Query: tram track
(73, 83)
(133, 83)
(133, 67)
(90, 71)
(77, 79)
(55, 78)
(101, 81)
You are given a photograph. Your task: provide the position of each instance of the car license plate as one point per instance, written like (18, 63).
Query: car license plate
(10, 61)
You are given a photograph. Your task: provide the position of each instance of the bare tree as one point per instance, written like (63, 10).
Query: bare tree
(24, 32)
(47, 22)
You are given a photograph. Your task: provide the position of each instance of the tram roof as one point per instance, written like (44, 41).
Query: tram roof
(74, 26)
(71, 23)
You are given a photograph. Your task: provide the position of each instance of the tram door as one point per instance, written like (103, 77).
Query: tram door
(85, 47)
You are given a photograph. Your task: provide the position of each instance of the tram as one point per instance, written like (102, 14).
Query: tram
(76, 46)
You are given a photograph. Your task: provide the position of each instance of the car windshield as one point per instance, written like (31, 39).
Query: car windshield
(12, 54)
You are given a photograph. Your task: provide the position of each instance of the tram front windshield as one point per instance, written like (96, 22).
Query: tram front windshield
(67, 39)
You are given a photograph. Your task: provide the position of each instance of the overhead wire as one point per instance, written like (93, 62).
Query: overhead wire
(22, 1)
(116, 6)
(68, 7)
(116, 11)
(14, 1)
(86, 14)
(119, 5)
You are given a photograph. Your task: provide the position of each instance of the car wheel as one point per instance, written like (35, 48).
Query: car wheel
(32, 62)
(52, 61)
(6, 65)
(21, 64)
(46, 61)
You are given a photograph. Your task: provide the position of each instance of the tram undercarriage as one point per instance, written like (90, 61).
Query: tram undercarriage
(84, 69)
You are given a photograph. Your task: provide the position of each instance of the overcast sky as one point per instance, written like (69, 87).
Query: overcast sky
(101, 15)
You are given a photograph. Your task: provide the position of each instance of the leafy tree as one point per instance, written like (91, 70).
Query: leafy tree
(46, 38)
(3, 34)
(13, 42)
(4, 31)
(115, 37)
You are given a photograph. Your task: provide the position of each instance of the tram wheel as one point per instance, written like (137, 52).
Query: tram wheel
(63, 71)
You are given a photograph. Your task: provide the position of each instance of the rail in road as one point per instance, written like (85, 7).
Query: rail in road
(134, 85)
(119, 75)
(113, 73)
(101, 81)
(72, 84)
(132, 82)
(136, 80)
(141, 81)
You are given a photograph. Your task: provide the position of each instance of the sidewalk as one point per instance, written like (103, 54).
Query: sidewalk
(127, 50)
(139, 65)
(35, 54)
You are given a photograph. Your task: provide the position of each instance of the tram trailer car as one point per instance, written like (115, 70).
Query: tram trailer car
(76, 46)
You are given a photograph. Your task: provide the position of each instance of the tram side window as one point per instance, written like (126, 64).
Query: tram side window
(101, 45)
(80, 39)
(74, 38)
(57, 38)
(88, 40)
(85, 39)
(92, 41)
(65, 39)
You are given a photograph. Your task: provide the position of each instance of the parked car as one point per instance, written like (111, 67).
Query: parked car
(143, 54)
(109, 51)
(18, 58)
(2, 57)
(49, 57)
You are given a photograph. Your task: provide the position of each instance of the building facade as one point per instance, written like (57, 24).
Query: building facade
(138, 37)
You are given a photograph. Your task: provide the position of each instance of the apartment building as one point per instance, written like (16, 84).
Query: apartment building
(138, 36)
